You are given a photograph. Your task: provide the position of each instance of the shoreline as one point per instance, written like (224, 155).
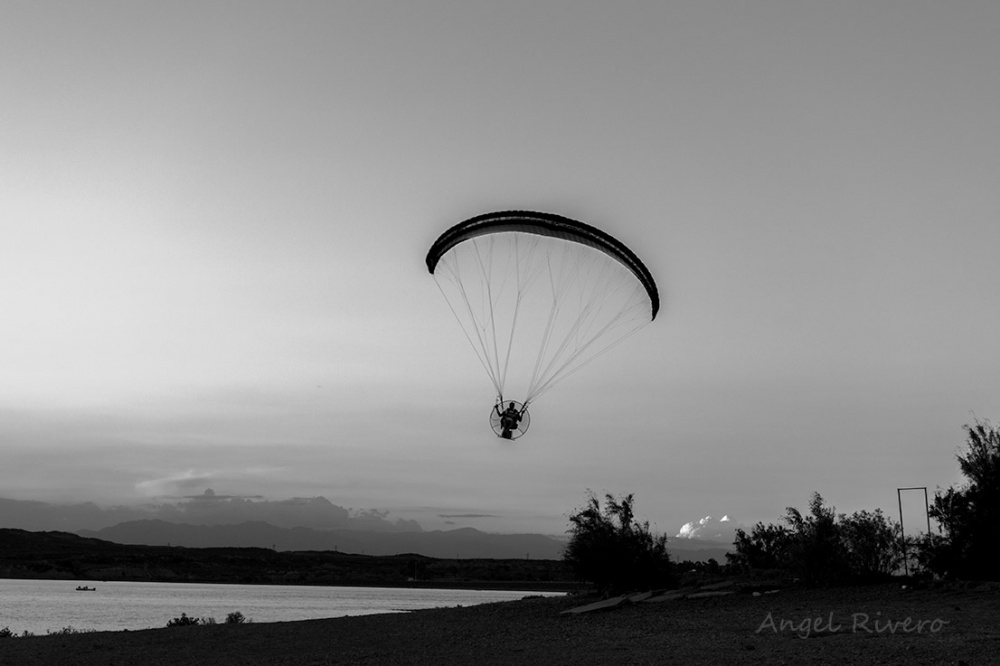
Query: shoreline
(738, 628)
(567, 587)
(46, 607)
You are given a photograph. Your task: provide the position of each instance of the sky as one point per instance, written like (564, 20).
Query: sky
(214, 218)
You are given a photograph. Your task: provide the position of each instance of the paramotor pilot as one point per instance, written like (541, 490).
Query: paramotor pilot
(509, 419)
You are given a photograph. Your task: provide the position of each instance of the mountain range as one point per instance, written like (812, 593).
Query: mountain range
(302, 524)
(204, 509)
(462, 543)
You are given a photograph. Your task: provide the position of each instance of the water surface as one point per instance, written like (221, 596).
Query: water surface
(42, 606)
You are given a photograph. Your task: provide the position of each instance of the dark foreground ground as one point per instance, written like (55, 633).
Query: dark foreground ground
(883, 624)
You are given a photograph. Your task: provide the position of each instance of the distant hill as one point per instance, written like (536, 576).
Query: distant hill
(464, 543)
(460, 543)
(698, 550)
(65, 556)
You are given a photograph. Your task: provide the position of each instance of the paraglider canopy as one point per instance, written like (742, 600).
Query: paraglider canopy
(546, 224)
(539, 295)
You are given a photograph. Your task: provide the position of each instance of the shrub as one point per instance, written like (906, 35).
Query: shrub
(872, 542)
(183, 621)
(822, 547)
(68, 631)
(611, 549)
(766, 547)
(710, 566)
(235, 617)
(933, 553)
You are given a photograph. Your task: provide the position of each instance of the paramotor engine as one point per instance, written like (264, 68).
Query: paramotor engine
(539, 296)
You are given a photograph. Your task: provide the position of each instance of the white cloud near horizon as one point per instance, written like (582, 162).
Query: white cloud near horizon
(707, 528)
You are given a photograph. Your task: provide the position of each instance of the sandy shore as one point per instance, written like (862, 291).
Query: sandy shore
(869, 625)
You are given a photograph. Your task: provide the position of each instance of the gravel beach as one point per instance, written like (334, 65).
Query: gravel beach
(884, 624)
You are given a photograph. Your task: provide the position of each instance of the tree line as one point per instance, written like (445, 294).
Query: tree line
(616, 552)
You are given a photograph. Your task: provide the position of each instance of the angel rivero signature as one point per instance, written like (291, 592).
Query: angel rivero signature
(858, 623)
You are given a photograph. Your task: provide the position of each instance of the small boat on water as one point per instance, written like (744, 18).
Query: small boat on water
(84, 588)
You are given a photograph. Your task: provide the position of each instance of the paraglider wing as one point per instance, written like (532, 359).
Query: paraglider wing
(546, 224)
(540, 295)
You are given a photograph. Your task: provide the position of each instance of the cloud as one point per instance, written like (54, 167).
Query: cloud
(193, 483)
(174, 484)
(205, 509)
(708, 528)
(211, 496)
(467, 515)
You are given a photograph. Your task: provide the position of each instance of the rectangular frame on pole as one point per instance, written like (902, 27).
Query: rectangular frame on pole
(902, 531)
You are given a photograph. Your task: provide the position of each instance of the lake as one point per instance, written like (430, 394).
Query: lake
(42, 606)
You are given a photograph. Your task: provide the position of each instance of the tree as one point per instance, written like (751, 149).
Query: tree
(968, 515)
(765, 547)
(817, 551)
(613, 550)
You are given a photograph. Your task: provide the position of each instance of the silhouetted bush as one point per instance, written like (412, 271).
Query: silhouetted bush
(184, 621)
(611, 549)
(711, 566)
(7, 633)
(928, 554)
(822, 547)
(873, 546)
(766, 547)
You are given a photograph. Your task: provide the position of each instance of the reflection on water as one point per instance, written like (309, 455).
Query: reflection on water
(41, 606)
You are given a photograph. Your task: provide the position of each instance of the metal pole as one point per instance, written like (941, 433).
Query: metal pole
(927, 510)
(902, 532)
